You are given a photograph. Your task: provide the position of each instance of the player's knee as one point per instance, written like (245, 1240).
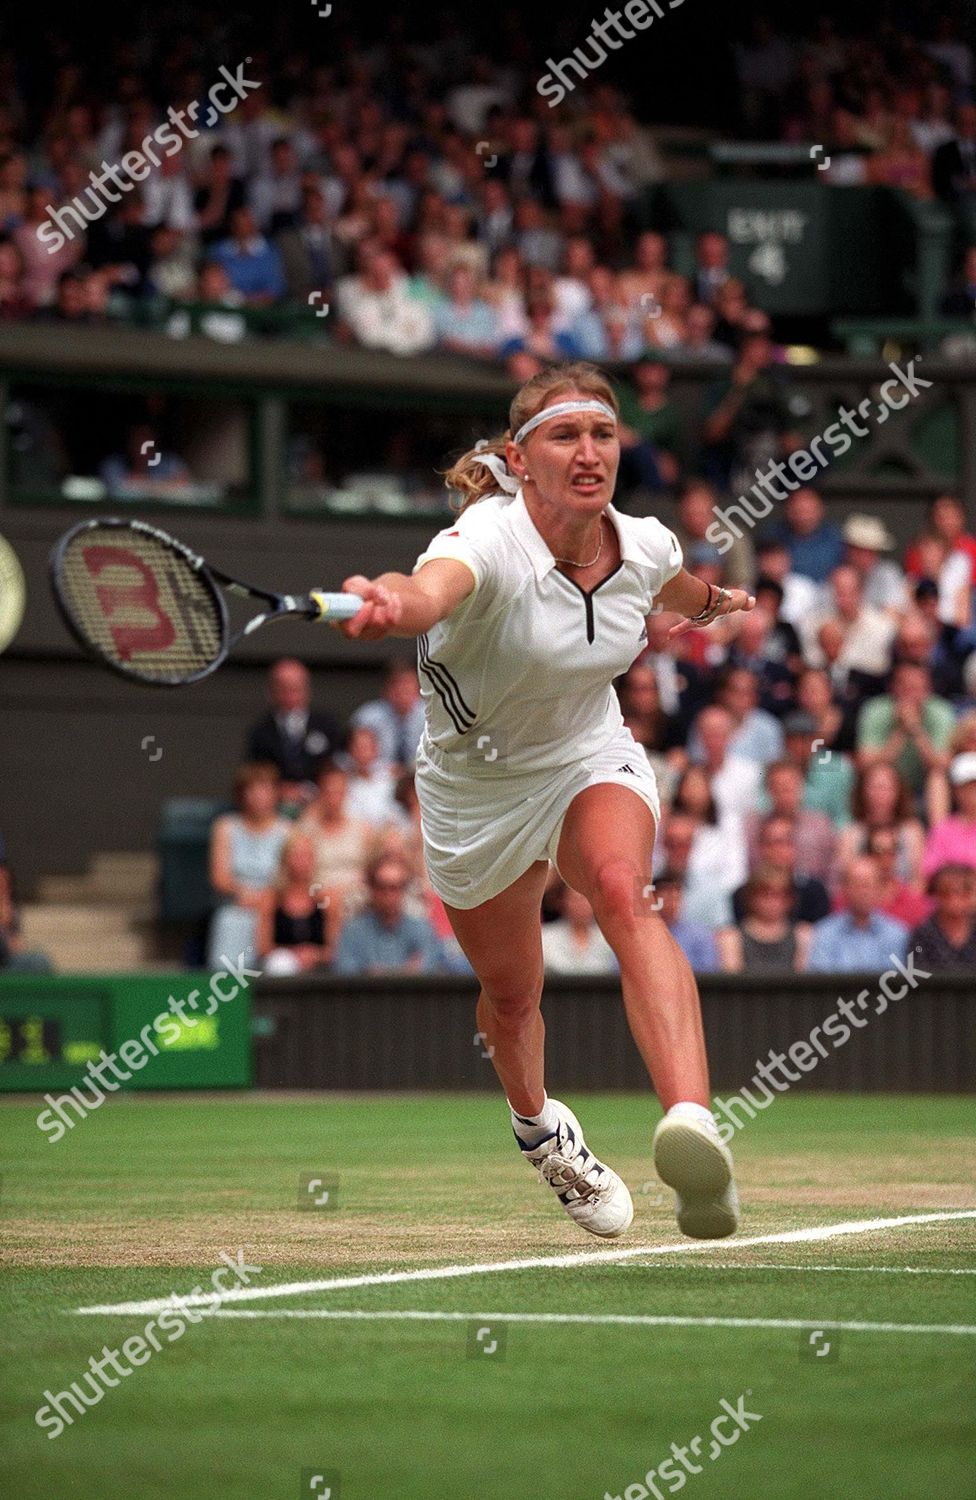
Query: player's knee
(513, 1004)
(615, 891)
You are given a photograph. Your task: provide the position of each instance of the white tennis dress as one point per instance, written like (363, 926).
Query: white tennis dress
(521, 714)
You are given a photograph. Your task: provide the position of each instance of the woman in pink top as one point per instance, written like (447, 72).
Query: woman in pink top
(953, 841)
(898, 899)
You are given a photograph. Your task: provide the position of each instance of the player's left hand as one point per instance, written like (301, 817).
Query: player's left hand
(738, 600)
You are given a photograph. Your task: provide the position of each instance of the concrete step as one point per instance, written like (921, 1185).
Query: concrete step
(125, 876)
(100, 921)
(69, 889)
(89, 938)
(83, 919)
(111, 877)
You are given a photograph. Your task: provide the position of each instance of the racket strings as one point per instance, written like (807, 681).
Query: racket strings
(141, 605)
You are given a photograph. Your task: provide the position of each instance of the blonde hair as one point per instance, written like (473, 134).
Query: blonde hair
(471, 478)
(297, 839)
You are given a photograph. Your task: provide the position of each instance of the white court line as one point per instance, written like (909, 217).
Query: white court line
(542, 1262)
(629, 1320)
(758, 1265)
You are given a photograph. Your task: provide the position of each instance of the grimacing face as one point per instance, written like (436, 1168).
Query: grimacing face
(572, 460)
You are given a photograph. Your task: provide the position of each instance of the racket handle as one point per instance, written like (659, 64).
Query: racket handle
(329, 607)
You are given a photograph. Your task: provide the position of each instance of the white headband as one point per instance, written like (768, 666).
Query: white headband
(563, 409)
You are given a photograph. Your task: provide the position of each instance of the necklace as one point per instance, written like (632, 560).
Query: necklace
(572, 561)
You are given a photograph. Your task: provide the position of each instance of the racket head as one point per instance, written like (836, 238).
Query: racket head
(139, 601)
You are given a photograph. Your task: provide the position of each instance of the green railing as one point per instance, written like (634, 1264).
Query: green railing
(221, 321)
(382, 427)
(868, 338)
(240, 408)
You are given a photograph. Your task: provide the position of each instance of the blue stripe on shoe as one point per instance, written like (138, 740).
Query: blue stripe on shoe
(524, 1145)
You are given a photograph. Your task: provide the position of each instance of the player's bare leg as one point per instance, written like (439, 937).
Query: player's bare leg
(605, 853)
(503, 942)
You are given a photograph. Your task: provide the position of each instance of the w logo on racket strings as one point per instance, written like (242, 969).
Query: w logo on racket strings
(131, 605)
(127, 601)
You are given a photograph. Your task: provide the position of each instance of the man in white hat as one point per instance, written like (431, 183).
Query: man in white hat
(865, 539)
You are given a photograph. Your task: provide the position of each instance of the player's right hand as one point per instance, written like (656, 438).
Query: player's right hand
(380, 614)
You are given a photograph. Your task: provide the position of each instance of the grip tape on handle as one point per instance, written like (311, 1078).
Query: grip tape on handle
(335, 606)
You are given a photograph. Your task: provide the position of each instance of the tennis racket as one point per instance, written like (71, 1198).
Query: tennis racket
(147, 607)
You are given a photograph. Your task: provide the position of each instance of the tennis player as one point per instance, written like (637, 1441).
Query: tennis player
(525, 609)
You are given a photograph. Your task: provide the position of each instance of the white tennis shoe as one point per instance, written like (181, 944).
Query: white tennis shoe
(690, 1157)
(589, 1191)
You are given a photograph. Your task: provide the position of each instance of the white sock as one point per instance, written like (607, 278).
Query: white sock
(533, 1129)
(688, 1107)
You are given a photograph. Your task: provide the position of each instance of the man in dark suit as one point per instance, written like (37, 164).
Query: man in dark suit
(308, 249)
(961, 301)
(954, 167)
(292, 736)
(526, 167)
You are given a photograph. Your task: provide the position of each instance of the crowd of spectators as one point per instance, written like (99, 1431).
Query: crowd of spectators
(893, 109)
(429, 198)
(817, 757)
(320, 866)
(816, 760)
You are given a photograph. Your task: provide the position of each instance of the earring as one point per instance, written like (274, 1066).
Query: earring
(527, 475)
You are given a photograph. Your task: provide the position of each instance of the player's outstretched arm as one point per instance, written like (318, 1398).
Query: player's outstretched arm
(395, 604)
(699, 601)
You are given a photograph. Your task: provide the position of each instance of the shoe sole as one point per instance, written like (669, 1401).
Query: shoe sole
(602, 1234)
(700, 1172)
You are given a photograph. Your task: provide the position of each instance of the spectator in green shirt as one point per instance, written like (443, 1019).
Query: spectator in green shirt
(650, 428)
(647, 406)
(908, 727)
(828, 776)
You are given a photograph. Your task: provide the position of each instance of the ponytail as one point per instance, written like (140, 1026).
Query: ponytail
(470, 477)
